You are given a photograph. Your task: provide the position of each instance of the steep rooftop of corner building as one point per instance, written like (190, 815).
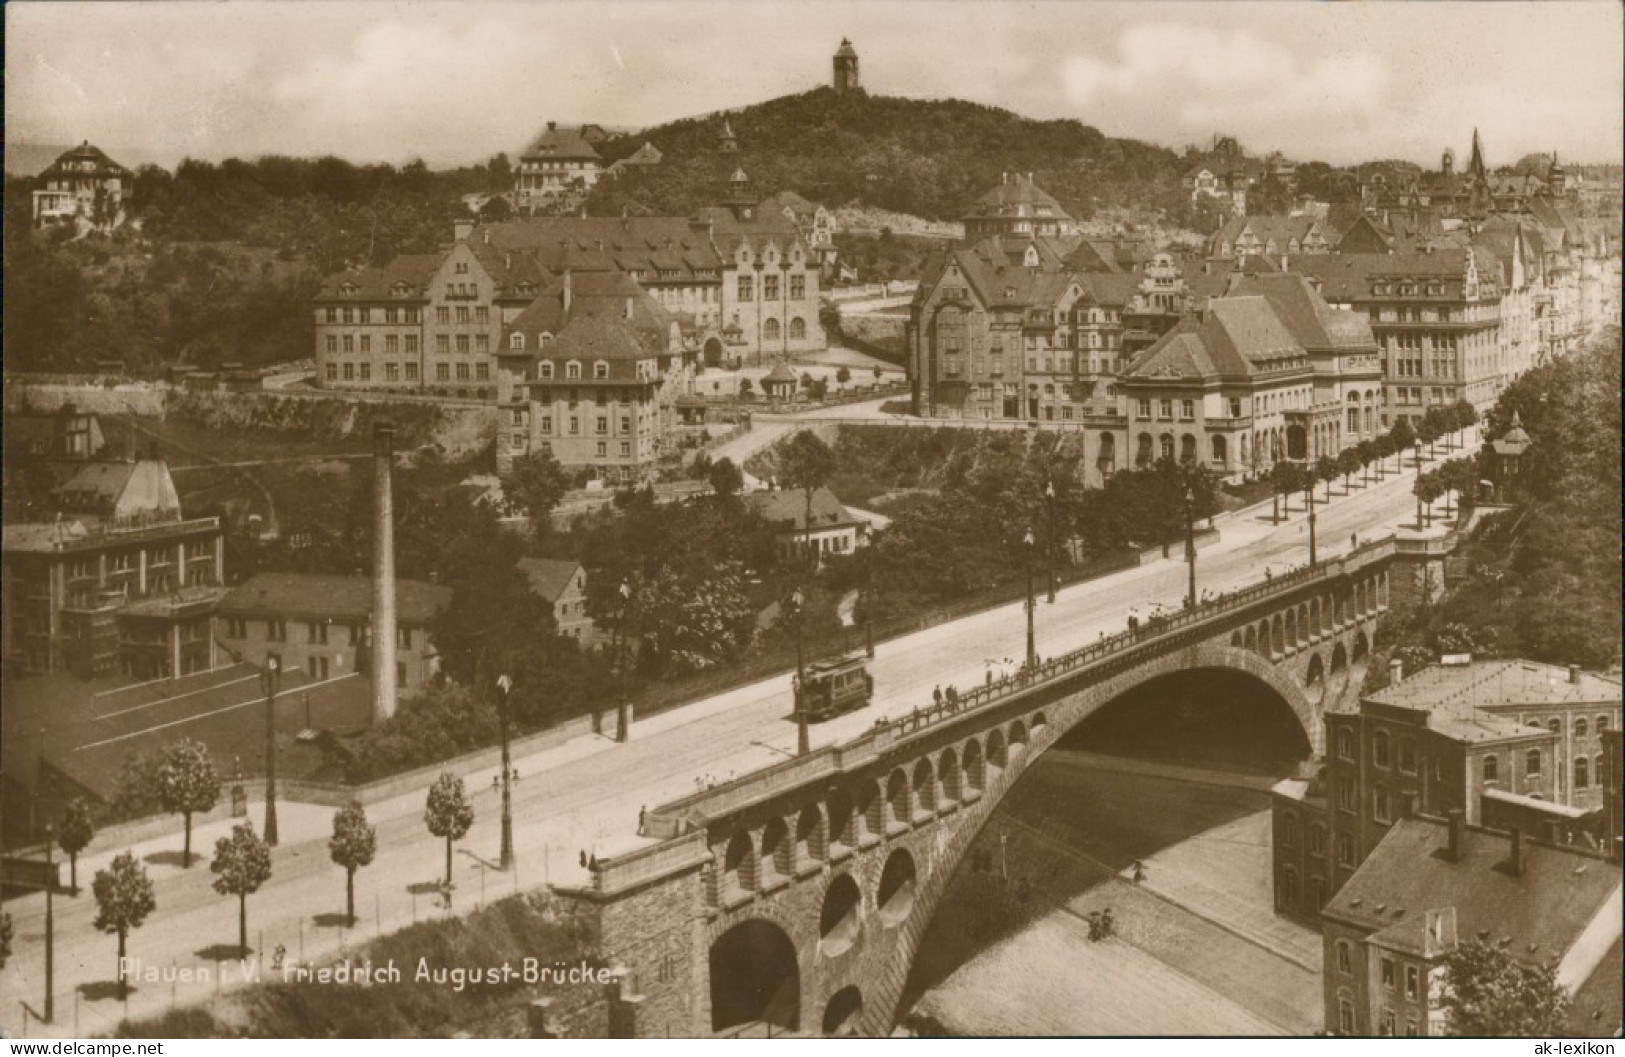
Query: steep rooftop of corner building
(1312, 321)
(404, 277)
(1540, 911)
(1233, 337)
(658, 247)
(549, 576)
(84, 160)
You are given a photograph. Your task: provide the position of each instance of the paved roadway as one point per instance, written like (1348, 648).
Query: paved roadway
(584, 795)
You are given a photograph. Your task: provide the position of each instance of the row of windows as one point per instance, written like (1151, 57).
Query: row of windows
(366, 315)
(393, 343)
(573, 425)
(1555, 724)
(407, 372)
(444, 315)
(316, 632)
(770, 287)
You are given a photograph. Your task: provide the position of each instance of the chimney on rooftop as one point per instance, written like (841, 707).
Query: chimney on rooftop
(1454, 822)
(1574, 673)
(383, 573)
(1396, 672)
(462, 229)
(1515, 863)
(568, 292)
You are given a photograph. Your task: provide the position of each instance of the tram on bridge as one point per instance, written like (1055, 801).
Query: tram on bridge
(831, 688)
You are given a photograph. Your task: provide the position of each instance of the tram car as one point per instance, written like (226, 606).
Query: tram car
(831, 688)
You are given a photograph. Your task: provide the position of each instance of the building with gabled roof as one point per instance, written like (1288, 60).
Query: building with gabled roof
(1017, 206)
(1270, 236)
(560, 160)
(832, 528)
(83, 185)
(1433, 885)
(562, 584)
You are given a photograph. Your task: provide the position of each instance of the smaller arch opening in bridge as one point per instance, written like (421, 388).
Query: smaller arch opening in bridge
(1278, 637)
(810, 837)
(895, 898)
(1361, 648)
(754, 978)
(899, 811)
(1340, 660)
(841, 918)
(1237, 641)
(1039, 722)
(924, 799)
(1018, 739)
(952, 779)
(1317, 672)
(842, 1013)
(1292, 628)
(776, 851)
(739, 867)
(871, 810)
(1252, 640)
(842, 823)
(997, 758)
(975, 767)
(1315, 627)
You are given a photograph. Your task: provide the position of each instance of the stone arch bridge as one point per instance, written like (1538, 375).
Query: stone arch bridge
(793, 899)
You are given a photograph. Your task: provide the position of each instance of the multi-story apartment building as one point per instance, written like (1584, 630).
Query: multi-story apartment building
(1433, 885)
(596, 366)
(744, 285)
(1436, 317)
(1017, 207)
(1504, 742)
(321, 624)
(119, 581)
(557, 162)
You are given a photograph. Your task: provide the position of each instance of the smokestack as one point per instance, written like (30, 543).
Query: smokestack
(1454, 818)
(1396, 671)
(1574, 673)
(383, 573)
(1515, 863)
(568, 295)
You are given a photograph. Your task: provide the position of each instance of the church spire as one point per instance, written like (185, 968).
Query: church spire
(1475, 164)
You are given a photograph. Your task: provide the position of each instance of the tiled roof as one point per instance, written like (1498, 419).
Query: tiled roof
(1017, 197)
(69, 163)
(787, 508)
(1491, 684)
(1234, 337)
(560, 144)
(549, 577)
(780, 374)
(414, 270)
(1312, 322)
(659, 248)
(315, 596)
(1538, 913)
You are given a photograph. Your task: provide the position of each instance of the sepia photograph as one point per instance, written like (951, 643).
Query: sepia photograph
(565, 520)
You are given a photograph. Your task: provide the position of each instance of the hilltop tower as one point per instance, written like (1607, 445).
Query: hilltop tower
(727, 142)
(846, 68)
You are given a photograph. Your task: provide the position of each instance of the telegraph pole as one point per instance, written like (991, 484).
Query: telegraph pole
(1032, 646)
(803, 741)
(270, 679)
(505, 857)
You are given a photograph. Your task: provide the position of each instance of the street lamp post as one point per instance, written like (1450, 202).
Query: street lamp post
(505, 857)
(1049, 542)
(803, 742)
(50, 928)
(1032, 645)
(1190, 547)
(623, 707)
(270, 680)
(1310, 493)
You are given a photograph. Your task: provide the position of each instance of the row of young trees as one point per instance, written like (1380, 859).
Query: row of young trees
(125, 895)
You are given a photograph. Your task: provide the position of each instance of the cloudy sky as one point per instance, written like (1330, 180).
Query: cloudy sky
(454, 82)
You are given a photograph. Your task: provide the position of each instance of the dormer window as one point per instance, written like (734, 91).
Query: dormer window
(400, 290)
(572, 370)
(348, 290)
(516, 341)
(600, 370)
(544, 370)
(543, 340)
(462, 268)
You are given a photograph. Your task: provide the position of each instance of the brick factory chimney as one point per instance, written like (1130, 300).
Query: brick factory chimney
(383, 573)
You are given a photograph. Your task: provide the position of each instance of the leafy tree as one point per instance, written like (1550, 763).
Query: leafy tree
(808, 465)
(74, 833)
(1367, 452)
(188, 784)
(1327, 470)
(745, 386)
(448, 813)
(725, 478)
(1400, 437)
(877, 373)
(1283, 482)
(1427, 489)
(1349, 463)
(843, 375)
(1489, 993)
(352, 846)
(123, 900)
(242, 862)
(537, 483)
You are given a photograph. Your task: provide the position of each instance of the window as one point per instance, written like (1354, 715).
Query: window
(1379, 804)
(1289, 831)
(482, 314)
(1235, 407)
(392, 343)
(411, 372)
(1410, 1027)
(1602, 724)
(1345, 962)
(770, 288)
(1345, 849)
(1388, 973)
(1379, 748)
(626, 423)
(1531, 762)
(603, 449)
(1582, 773)
(349, 343)
(1345, 1016)
(1348, 797)
(236, 628)
(482, 343)
(316, 633)
(747, 287)
(482, 372)
(462, 344)
(798, 292)
(626, 448)
(276, 630)
(798, 329)
(544, 370)
(1345, 743)
(572, 370)
(1492, 768)
(403, 638)
(332, 372)
(1413, 981)
(442, 344)
(462, 372)
(1580, 727)
(1386, 1025)
(1555, 725)
(332, 315)
(442, 315)
(366, 372)
(600, 370)
(1407, 756)
(1317, 839)
(411, 344)
(332, 343)
(442, 372)
(462, 313)
(1165, 409)
(1145, 408)
(1187, 410)
(366, 343)
(603, 425)
(349, 372)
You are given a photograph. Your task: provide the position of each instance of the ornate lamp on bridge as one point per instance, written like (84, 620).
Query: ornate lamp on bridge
(1032, 648)
(1049, 540)
(270, 681)
(505, 856)
(1309, 493)
(797, 599)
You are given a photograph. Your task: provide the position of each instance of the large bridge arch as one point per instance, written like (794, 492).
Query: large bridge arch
(1038, 728)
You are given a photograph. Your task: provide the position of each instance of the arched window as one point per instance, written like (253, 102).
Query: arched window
(1220, 451)
(1580, 727)
(1582, 773)
(1379, 748)
(1345, 744)
(1289, 831)
(1492, 768)
(1317, 839)
(1166, 446)
(798, 329)
(770, 330)
(1554, 725)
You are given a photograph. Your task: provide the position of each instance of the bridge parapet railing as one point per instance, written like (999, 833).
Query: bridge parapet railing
(690, 813)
